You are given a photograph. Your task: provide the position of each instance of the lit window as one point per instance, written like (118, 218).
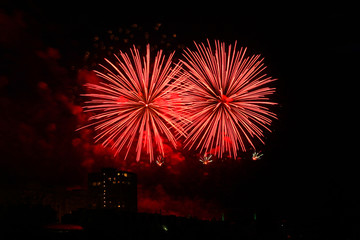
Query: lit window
(118, 174)
(125, 174)
(94, 184)
(98, 183)
(118, 181)
(114, 182)
(119, 205)
(109, 178)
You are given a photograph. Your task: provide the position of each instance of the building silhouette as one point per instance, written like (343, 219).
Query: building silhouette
(110, 188)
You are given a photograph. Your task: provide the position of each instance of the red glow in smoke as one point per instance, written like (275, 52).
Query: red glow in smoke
(43, 85)
(85, 76)
(49, 53)
(157, 200)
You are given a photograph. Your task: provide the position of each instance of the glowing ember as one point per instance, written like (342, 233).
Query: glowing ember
(256, 156)
(137, 102)
(206, 159)
(160, 160)
(227, 99)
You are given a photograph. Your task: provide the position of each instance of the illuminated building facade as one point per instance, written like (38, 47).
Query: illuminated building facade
(113, 189)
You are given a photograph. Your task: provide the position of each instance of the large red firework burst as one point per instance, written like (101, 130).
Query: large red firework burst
(228, 99)
(137, 101)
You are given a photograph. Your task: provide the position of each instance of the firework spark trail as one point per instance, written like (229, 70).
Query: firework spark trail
(227, 98)
(138, 100)
(206, 159)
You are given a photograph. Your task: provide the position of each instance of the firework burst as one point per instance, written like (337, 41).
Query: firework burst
(227, 98)
(206, 159)
(137, 102)
(256, 156)
(160, 160)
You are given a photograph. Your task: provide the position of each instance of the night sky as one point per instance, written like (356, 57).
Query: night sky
(308, 169)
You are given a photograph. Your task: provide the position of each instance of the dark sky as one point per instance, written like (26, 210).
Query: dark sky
(308, 165)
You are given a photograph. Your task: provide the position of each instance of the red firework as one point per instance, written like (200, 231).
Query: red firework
(138, 101)
(227, 98)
